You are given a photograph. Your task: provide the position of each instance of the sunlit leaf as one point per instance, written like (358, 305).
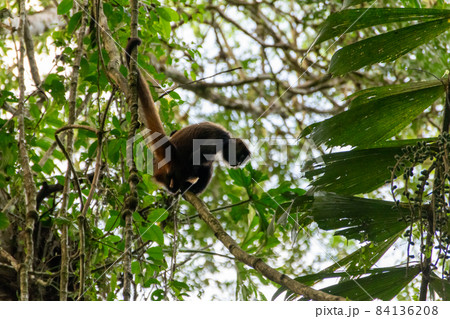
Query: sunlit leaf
(155, 253)
(65, 6)
(157, 215)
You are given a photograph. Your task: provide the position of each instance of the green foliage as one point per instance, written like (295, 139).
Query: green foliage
(346, 21)
(4, 222)
(376, 114)
(373, 124)
(175, 255)
(65, 6)
(385, 47)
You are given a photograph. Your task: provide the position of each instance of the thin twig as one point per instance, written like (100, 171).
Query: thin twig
(196, 81)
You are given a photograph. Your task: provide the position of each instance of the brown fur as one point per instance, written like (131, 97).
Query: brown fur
(182, 172)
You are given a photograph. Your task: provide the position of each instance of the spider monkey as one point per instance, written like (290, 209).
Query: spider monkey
(184, 161)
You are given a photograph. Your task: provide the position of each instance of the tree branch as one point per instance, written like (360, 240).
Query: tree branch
(253, 261)
(28, 181)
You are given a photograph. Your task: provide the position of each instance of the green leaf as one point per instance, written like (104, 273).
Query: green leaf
(55, 85)
(114, 238)
(62, 221)
(137, 217)
(179, 285)
(158, 215)
(116, 123)
(440, 286)
(135, 267)
(175, 95)
(383, 283)
(34, 111)
(4, 222)
(371, 253)
(114, 150)
(92, 149)
(359, 218)
(353, 172)
(346, 21)
(376, 114)
(65, 6)
(152, 233)
(239, 177)
(113, 221)
(165, 28)
(74, 22)
(168, 14)
(155, 253)
(238, 212)
(385, 47)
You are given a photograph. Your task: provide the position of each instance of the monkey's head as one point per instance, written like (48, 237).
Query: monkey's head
(236, 153)
(242, 152)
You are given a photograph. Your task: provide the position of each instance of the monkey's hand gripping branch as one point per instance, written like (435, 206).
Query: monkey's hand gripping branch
(253, 261)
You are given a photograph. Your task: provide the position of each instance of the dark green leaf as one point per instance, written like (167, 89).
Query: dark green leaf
(155, 253)
(137, 217)
(383, 283)
(440, 286)
(365, 257)
(158, 215)
(152, 233)
(346, 21)
(135, 267)
(113, 221)
(114, 150)
(359, 218)
(65, 6)
(353, 172)
(55, 85)
(62, 221)
(74, 22)
(179, 285)
(238, 212)
(376, 114)
(92, 149)
(4, 222)
(385, 47)
(239, 177)
(116, 123)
